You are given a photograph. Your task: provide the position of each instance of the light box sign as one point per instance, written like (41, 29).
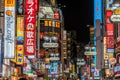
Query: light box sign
(19, 57)
(109, 28)
(98, 9)
(20, 28)
(20, 7)
(54, 68)
(56, 15)
(115, 18)
(9, 29)
(37, 5)
(110, 42)
(30, 27)
(109, 13)
(110, 50)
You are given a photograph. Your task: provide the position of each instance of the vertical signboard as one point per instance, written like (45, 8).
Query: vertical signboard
(91, 34)
(110, 42)
(20, 7)
(9, 29)
(30, 28)
(97, 16)
(109, 28)
(64, 47)
(1, 55)
(19, 56)
(20, 28)
(110, 37)
(37, 5)
(97, 10)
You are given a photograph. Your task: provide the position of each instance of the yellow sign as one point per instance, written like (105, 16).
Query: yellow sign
(111, 55)
(20, 28)
(117, 11)
(9, 3)
(73, 68)
(20, 57)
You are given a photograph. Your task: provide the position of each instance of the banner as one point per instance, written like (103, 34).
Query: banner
(30, 28)
(9, 29)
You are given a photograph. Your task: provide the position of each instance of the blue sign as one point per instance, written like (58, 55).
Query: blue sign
(54, 68)
(110, 50)
(97, 9)
(116, 69)
(20, 38)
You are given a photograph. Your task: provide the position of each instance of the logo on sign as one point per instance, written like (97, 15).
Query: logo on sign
(115, 18)
(50, 44)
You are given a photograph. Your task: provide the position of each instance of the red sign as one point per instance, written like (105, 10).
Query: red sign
(110, 42)
(110, 28)
(36, 5)
(56, 15)
(109, 13)
(30, 27)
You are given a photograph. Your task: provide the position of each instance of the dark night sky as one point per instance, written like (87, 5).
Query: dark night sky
(77, 14)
